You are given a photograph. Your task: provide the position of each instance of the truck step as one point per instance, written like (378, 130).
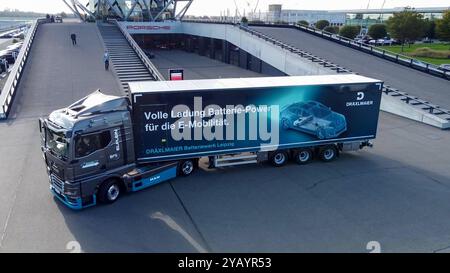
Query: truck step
(230, 160)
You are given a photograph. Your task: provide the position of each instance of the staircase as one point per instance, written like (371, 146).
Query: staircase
(126, 63)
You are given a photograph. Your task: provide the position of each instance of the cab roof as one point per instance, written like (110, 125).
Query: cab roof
(87, 107)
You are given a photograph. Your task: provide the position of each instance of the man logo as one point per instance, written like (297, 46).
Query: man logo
(360, 96)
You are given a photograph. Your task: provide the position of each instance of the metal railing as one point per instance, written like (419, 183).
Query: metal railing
(10, 88)
(373, 50)
(417, 102)
(150, 66)
(297, 51)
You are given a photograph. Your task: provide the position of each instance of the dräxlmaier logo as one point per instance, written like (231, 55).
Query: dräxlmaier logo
(359, 101)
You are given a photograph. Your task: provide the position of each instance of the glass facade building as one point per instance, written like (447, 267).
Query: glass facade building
(131, 10)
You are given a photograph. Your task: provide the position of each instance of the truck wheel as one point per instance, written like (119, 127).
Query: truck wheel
(109, 191)
(303, 156)
(328, 153)
(279, 158)
(186, 167)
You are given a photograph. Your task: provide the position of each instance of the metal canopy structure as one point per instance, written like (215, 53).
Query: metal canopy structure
(131, 10)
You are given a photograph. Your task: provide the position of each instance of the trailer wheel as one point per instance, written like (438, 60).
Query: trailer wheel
(303, 156)
(328, 153)
(186, 167)
(279, 158)
(109, 191)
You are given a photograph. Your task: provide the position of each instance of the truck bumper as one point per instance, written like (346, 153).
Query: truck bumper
(73, 203)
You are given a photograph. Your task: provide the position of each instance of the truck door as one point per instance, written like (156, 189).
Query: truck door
(90, 153)
(116, 150)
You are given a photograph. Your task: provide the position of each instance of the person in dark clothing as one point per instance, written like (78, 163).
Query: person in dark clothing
(106, 60)
(73, 37)
(84, 146)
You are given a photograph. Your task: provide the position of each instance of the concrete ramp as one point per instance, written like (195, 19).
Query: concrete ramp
(414, 82)
(58, 73)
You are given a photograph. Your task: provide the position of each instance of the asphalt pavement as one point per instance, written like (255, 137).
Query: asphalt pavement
(396, 193)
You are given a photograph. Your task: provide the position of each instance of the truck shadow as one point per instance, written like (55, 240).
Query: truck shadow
(338, 206)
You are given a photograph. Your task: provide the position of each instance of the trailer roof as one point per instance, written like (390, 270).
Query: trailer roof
(167, 86)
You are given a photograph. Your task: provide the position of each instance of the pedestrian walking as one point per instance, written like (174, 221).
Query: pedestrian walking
(106, 59)
(73, 37)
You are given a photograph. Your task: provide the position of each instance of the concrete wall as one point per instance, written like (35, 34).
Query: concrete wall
(273, 55)
(289, 63)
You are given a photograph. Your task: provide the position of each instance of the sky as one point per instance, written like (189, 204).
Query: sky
(214, 7)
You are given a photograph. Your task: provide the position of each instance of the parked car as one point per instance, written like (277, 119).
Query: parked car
(427, 41)
(444, 67)
(9, 55)
(58, 19)
(3, 65)
(313, 118)
(381, 42)
(362, 39)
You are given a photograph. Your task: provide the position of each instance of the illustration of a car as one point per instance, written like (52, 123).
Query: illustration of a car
(313, 118)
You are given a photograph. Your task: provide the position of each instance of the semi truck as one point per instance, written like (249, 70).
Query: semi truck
(103, 146)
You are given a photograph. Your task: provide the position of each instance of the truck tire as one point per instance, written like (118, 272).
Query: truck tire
(109, 191)
(186, 167)
(279, 158)
(303, 156)
(328, 153)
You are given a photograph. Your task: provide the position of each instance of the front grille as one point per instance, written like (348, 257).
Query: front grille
(57, 183)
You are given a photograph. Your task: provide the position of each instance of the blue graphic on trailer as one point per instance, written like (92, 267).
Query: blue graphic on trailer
(313, 118)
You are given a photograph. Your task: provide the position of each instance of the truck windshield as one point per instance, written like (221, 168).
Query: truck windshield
(57, 144)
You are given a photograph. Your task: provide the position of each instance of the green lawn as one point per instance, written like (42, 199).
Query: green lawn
(434, 46)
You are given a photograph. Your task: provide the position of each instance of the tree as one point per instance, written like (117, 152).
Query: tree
(430, 29)
(331, 29)
(63, 15)
(321, 24)
(406, 26)
(303, 23)
(349, 32)
(377, 31)
(443, 27)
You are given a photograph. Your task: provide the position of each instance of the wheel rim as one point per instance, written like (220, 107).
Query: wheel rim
(303, 156)
(328, 154)
(113, 192)
(187, 167)
(279, 158)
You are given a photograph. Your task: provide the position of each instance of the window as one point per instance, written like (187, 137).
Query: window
(57, 144)
(87, 144)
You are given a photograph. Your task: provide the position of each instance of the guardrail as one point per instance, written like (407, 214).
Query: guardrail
(150, 66)
(382, 53)
(297, 51)
(12, 83)
(373, 50)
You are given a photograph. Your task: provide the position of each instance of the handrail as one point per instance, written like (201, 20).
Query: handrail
(150, 66)
(373, 50)
(297, 51)
(12, 83)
